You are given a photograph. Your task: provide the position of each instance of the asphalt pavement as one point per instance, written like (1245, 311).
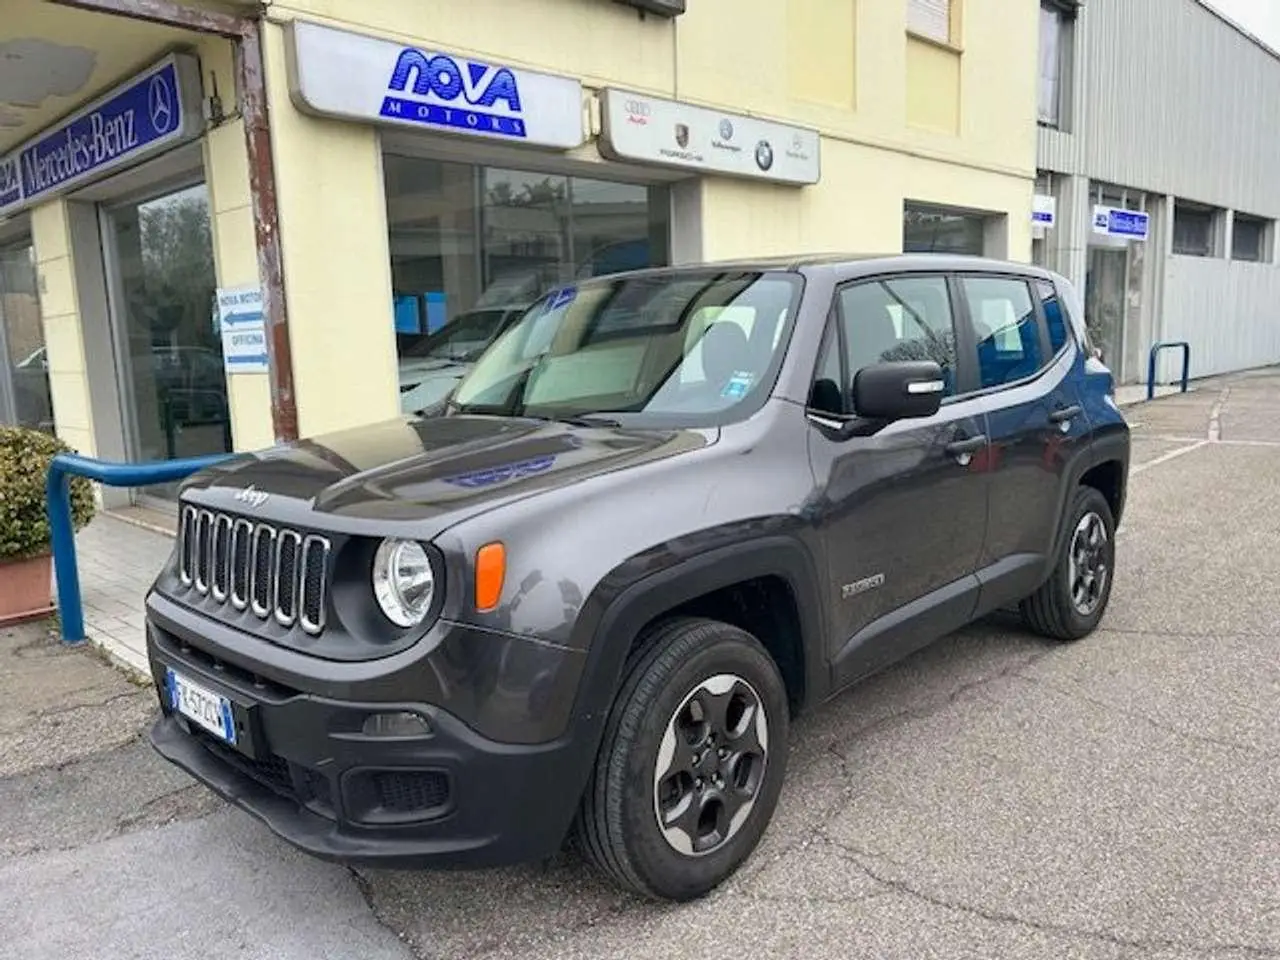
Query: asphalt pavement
(995, 796)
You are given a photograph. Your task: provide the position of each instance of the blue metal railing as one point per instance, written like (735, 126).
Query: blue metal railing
(1151, 363)
(62, 531)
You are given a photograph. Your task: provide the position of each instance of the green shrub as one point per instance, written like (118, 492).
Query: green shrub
(25, 456)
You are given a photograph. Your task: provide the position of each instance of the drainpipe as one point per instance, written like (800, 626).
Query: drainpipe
(245, 33)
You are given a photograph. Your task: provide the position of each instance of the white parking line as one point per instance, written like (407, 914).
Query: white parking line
(1166, 457)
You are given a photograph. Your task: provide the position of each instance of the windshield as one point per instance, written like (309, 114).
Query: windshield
(692, 345)
(463, 339)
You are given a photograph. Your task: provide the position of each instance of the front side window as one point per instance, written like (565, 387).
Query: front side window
(683, 345)
(1005, 329)
(899, 318)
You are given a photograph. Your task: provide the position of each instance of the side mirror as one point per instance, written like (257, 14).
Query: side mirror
(898, 391)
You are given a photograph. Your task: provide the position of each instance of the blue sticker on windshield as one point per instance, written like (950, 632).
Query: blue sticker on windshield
(562, 298)
(738, 385)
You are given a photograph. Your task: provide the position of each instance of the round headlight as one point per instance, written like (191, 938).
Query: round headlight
(403, 581)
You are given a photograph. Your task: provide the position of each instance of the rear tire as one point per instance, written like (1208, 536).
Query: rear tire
(691, 764)
(1069, 605)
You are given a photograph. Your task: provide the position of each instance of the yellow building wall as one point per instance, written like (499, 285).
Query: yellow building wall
(901, 120)
(337, 271)
(60, 314)
(226, 166)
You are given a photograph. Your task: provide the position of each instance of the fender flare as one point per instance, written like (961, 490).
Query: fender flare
(612, 633)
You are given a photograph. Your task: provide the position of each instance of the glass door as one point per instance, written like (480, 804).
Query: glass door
(1104, 302)
(24, 369)
(159, 253)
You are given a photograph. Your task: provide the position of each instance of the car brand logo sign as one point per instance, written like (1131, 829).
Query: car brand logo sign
(160, 103)
(682, 135)
(764, 155)
(251, 496)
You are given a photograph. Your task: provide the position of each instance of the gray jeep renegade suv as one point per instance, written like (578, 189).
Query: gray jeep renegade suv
(663, 513)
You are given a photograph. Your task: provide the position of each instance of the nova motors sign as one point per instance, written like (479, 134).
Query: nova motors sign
(153, 111)
(348, 75)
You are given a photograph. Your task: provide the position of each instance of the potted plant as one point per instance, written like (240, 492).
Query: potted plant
(26, 581)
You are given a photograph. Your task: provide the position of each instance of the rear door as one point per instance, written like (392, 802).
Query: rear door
(1034, 420)
(901, 513)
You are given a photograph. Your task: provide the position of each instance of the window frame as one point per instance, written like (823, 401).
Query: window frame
(834, 336)
(952, 39)
(1048, 358)
(1264, 227)
(1213, 251)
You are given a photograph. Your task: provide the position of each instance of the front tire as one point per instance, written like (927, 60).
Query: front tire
(1073, 600)
(692, 761)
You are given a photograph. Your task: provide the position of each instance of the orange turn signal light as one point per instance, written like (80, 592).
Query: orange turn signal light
(491, 569)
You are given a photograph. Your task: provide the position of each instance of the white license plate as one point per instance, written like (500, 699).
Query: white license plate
(208, 710)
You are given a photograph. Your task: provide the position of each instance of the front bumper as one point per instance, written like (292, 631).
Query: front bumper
(304, 767)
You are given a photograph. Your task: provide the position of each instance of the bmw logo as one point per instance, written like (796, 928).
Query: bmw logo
(726, 130)
(764, 155)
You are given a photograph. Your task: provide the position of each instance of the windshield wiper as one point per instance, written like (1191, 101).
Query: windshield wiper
(589, 420)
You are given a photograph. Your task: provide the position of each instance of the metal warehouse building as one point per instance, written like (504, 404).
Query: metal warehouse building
(1157, 187)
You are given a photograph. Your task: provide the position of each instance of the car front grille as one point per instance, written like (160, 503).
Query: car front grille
(271, 571)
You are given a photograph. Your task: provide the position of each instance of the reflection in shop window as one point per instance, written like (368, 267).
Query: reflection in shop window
(22, 340)
(479, 245)
(927, 229)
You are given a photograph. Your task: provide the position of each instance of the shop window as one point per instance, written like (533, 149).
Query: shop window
(1193, 230)
(928, 229)
(1249, 239)
(931, 19)
(472, 247)
(24, 394)
(1005, 329)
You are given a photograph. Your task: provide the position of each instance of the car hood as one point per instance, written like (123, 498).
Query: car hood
(434, 471)
(411, 370)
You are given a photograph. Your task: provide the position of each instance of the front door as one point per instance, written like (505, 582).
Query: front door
(168, 343)
(903, 512)
(1104, 302)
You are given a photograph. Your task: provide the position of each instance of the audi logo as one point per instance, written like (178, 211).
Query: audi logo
(637, 108)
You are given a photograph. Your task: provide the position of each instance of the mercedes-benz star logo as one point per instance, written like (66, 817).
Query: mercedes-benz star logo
(160, 103)
(252, 496)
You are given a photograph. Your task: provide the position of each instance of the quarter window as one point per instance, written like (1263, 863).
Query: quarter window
(1005, 329)
(1054, 317)
(905, 318)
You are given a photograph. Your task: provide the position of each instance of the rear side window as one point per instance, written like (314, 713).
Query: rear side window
(1004, 328)
(1055, 316)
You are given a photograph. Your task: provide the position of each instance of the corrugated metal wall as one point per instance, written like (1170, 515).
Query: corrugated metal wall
(1228, 312)
(1168, 98)
(1172, 99)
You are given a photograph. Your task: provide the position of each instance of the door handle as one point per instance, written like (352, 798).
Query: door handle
(1063, 414)
(959, 448)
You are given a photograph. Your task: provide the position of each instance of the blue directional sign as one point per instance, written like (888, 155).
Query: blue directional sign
(153, 110)
(1114, 222)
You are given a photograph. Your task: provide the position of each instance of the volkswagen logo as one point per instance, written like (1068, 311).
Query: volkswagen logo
(764, 155)
(160, 105)
(251, 496)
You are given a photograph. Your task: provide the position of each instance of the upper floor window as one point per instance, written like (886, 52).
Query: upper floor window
(930, 18)
(1052, 28)
(1005, 329)
(1249, 237)
(1193, 230)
